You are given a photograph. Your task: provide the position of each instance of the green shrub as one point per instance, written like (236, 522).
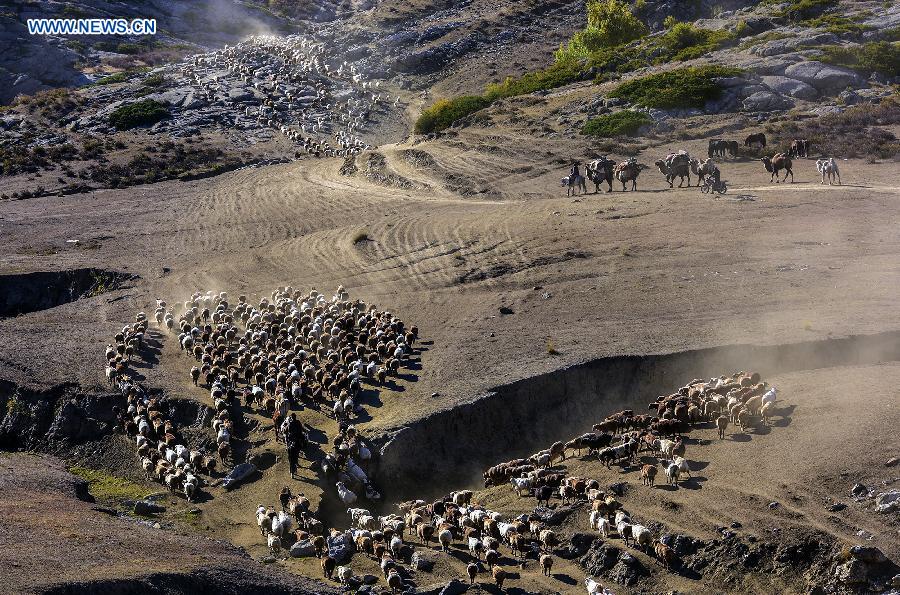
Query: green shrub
(141, 113)
(684, 41)
(742, 29)
(557, 75)
(445, 112)
(680, 88)
(839, 25)
(154, 80)
(624, 123)
(119, 77)
(610, 23)
(798, 10)
(110, 488)
(877, 56)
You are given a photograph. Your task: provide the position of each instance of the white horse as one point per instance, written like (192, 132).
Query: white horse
(573, 183)
(828, 167)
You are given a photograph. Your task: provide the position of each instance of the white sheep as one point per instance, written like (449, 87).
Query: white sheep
(344, 574)
(641, 536)
(683, 466)
(672, 473)
(521, 483)
(346, 496)
(274, 543)
(281, 524)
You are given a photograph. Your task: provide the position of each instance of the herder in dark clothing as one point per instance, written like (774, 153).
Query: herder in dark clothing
(295, 437)
(574, 173)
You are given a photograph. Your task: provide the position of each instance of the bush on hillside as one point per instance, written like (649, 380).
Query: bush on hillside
(680, 88)
(624, 123)
(141, 113)
(610, 23)
(877, 56)
(557, 75)
(685, 41)
(445, 112)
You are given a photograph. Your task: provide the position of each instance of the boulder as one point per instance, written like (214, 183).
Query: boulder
(853, 572)
(146, 507)
(766, 101)
(422, 560)
(237, 475)
(340, 547)
(303, 549)
(868, 554)
(790, 87)
(368, 579)
(454, 587)
(825, 78)
(888, 501)
(553, 516)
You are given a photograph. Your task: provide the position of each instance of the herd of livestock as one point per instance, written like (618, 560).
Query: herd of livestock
(296, 350)
(320, 108)
(708, 175)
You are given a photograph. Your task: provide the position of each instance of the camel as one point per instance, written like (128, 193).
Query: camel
(704, 168)
(601, 170)
(675, 165)
(780, 161)
(628, 171)
(799, 148)
(829, 167)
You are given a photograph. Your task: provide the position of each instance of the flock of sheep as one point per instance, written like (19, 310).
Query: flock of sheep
(458, 518)
(681, 165)
(305, 98)
(295, 349)
(160, 446)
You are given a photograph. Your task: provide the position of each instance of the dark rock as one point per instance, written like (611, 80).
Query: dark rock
(837, 507)
(892, 462)
(868, 553)
(600, 558)
(505, 310)
(853, 572)
(618, 488)
(454, 587)
(368, 579)
(553, 516)
(303, 549)
(578, 545)
(340, 547)
(736, 525)
(859, 490)
(145, 507)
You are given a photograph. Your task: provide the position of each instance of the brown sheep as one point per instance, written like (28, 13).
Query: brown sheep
(745, 419)
(648, 474)
(546, 564)
(722, 425)
(499, 576)
(766, 411)
(425, 532)
(472, 571)
(328, 564)
(664, 555)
